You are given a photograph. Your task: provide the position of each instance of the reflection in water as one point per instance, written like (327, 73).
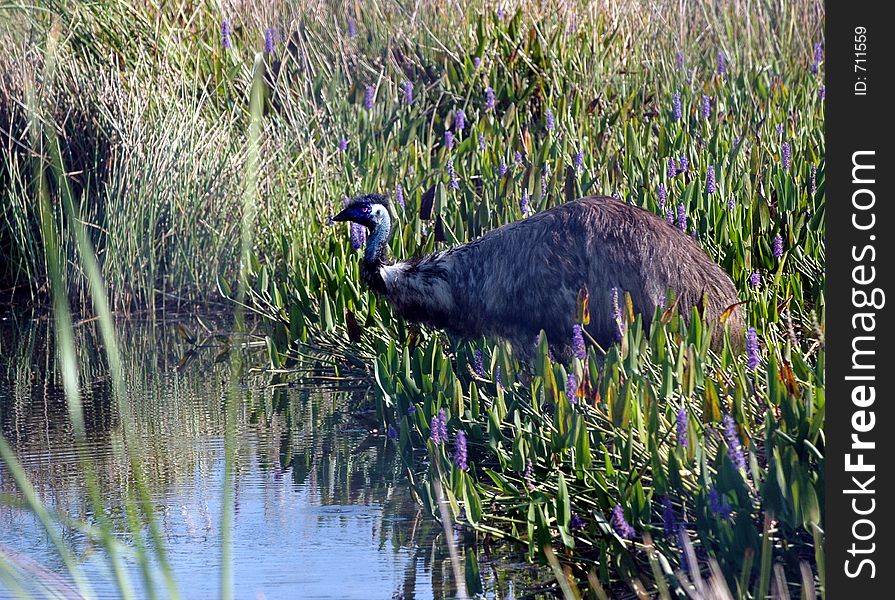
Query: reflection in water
(322, 510)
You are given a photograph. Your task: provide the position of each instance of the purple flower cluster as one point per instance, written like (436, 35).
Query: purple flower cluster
(459, 120)
(818, 58)
(482, 142)
(518, 159)
(672, 169)
(438, 428)
(358, 234)
(683, 164)
(710, 187)
(578, 160)
(453, 182)
(352, 27)
(549, 120)
(369, 94)
(528, 475)
(682, 218)
(448, 139)
(392, 433)
(399, 195)
(778, 246)
(812, 187)
(731, 202)
(502, 169)
(478, 364)
(734, 448)
(572, 388)
(461, 454)
(407, 92)
(578, 342)
(755, 279)
(525, 203)
(226, 32)
(706, 107)
(681, 427)
(722, 63)
(822, 93)
(751, 348)
(576, 523)
(676, 110)
(476, 62)
(669, 521)
(663, 195)
(269, 40)
(617, 315)
(490, 102)
(718, 504)
(620, 525)
(786, 156)
(343, 144)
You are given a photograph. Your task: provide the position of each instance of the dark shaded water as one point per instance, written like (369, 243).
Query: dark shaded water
(322, 507)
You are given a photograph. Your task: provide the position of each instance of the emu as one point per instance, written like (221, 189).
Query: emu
(525, 276)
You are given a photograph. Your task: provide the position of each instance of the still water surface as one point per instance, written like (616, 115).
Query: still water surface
(323, 509)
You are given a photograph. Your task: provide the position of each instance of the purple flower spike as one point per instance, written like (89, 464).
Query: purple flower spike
(683, 164)
(663, 196)
(751, 349)
(226, 32)
(722, 63)
(576, 523)
(682, 217)
(710, 180)
(476, 62)
(732, 438)
(681, 428)
(518, 158)
(525, 203)
(369, 96)
(676, 110)
(621, 526)
(407, 95)
(268, 40)
(672, 169)
(822, 93)
(352, 27)
(459, 120)
(490, 101)
(731, 202)
(358, 235)
(478, 365)
(572, 389)
(706, 107)
(448, 140)
(755, 279)
(578, 342)
(392, 432)
(669, 521)
(778, 246)
(453, 182)
(550, 123)
(812, 186)
(786, 156)
(502, 170)
(399, 195)
(461, 454)
(578, 160)
(343, 144)
(669, 215)
(438, 428)
(718, 504)
(482, 142)
(528, 475)
(617, 315)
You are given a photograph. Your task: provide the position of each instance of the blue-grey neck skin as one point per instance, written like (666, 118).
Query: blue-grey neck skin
(374, 251)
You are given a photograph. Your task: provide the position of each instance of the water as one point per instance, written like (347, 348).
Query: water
(323, 509)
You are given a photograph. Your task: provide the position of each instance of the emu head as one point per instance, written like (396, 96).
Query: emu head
(373, 212)
(369, 210)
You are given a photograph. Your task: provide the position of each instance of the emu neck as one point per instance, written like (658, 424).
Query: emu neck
(375, 254)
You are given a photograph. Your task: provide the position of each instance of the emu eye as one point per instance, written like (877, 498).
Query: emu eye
(365, 209)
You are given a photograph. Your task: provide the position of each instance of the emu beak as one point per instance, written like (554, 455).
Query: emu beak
(342, 216)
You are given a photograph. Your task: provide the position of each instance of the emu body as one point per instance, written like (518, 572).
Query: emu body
(525, 276)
